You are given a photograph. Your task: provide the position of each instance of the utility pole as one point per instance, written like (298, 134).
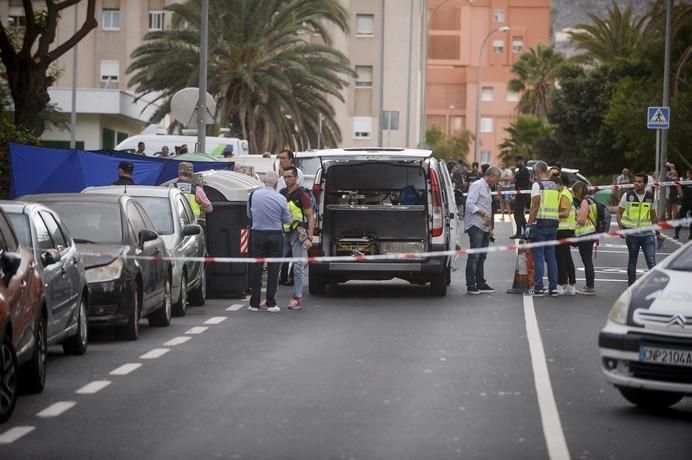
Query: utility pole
(202, 102)
(73, 115)
(666, 102)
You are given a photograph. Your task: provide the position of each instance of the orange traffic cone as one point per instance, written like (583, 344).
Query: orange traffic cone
(523, 273)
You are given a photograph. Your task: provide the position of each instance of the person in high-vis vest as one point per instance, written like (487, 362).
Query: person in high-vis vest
(587, 213)
(636, 210)
(194, 194)
(544, 218)
(566, 274)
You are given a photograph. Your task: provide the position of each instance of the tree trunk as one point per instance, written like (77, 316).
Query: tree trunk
(30, 94)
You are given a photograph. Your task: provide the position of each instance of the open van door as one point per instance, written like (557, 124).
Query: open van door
(452, 218)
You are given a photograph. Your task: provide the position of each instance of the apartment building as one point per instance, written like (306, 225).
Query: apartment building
(463, 33)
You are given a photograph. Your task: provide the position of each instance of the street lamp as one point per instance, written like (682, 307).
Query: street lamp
(478, 93)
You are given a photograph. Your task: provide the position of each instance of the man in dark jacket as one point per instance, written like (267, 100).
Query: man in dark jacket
(125, 169)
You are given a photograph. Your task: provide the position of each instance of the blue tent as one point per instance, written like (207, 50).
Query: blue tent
(47, 170)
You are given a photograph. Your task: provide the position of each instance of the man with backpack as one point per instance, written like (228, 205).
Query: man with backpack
(298, 233)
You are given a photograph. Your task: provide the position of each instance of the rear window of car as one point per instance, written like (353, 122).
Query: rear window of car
(90, 222)
(159, 211)
(683, 261)
(20, 223)
(309, 165)
(375, 176)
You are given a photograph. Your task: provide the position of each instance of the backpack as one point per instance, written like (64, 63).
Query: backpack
(603, 218)
(299, 202)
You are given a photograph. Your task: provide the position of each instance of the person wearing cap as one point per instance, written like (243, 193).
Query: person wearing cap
(195, 194)
(125, 169)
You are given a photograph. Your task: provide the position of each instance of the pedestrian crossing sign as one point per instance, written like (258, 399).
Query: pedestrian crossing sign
(658, 117)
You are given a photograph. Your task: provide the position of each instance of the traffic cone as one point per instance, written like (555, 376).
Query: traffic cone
(523, 273)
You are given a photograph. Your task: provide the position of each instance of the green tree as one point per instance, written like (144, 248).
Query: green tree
(536, 72)
(526, 136)
(454, 147)
(9, 132)
(272, 79)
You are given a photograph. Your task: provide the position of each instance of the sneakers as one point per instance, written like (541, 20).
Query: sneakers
(560, 289)
(274, 309)
(486, 289)
(537, 293)
(263, 307)
(473, 290)
(251, 308)
(553, 293)
(295, 304)
(571, 290)
(586, 291)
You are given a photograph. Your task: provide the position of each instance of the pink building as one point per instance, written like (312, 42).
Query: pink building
(457, 29)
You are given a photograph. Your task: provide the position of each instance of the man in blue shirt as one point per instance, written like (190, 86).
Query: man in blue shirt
(268, 211)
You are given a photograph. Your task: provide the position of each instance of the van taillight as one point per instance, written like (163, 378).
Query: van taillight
(437, 220)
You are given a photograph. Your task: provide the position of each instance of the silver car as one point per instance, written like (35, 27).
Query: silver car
(174, 220)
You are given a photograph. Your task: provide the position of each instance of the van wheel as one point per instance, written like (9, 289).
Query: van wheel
(438, 285)
(317, 284)
(130, 331)
(34, 372)
(161, 317)
(77, 344)
(180, 308)
(8, 378)
(199, 294)
(648, 399)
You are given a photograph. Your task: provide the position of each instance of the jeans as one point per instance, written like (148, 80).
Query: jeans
(294, 246)
(265, 243)
(474, 264)
(545, 254)
(586, 253)
(565, 264)
(520, 203)
(648, 245)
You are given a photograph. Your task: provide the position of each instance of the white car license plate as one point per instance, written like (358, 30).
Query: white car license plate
(670, 356)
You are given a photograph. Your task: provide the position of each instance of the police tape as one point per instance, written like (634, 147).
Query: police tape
(666, 225)
(596, 188)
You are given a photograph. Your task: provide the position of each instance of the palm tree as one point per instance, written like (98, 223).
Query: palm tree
(271, 67)
(525, 135)
(536, 72)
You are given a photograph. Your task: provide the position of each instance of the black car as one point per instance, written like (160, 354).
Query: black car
(110, 232)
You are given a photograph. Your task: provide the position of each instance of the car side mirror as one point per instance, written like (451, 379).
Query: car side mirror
(9, 264)
(146, 235)
(50, 257)
(192, 229)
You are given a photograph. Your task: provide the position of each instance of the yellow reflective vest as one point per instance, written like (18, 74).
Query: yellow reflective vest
(569, 222)
(549, 208)
(190, 192)
(295, 209)
(637, 213)
(590, 225)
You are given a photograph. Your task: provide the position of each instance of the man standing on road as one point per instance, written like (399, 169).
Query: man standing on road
(125, 170)
(195, 194)
(477, 224)
(543, 222)
(268, 211)
(286, 158)
(299, 232)
(522, 181)
(636, 210)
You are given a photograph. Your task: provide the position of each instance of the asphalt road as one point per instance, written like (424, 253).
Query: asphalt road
(369, 371)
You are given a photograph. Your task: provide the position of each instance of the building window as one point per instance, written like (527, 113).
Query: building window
(155, 20)
(499, 46)
(111, 20)
(107, 139)
(485, 157)
(362, 127)
(16, 18)
(365, 25)
(517, 45)
(390, 120)
(487, 94)
(110, 71)
(499, 15)
(512, 96)
(364, 78)
(486, 125)
(456, 124)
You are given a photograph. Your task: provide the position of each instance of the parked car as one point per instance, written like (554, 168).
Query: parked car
(646, 344)
(570, 175)
(23, 344)
(379, 201)
(174, 220)
(60, 267)
(110, 231)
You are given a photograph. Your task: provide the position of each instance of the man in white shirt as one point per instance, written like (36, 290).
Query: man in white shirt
(286, 158)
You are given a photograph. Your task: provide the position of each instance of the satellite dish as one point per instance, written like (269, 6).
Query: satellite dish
(184, 107)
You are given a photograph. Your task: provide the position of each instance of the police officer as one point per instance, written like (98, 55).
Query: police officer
(125, 170)
(566, 273)
(636, 210)
(586, 225)
(195, 194)
(542, 226)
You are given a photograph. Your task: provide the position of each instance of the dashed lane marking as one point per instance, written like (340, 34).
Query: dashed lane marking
(196, 330)
(155, 353)
(56, 409)
(177, 341)
(93, 387)
(11, 435)
(235, 307)
(126, 369)
(215, 320)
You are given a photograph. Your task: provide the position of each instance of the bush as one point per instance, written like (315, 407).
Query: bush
(11, 133)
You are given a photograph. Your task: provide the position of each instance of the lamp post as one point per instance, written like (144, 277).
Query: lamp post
(478, 92)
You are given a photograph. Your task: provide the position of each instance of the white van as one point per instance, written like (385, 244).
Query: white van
(154, 142)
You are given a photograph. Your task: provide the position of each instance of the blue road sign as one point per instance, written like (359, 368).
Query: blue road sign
(658, 117)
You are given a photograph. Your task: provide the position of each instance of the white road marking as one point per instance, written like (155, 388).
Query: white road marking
(215, 320)
(177, 341)
(235, 307)
(126, 368)
(56, 409)
(11, 435)
(93, 387)
(550, 417)
(155, 353)
(196, 330)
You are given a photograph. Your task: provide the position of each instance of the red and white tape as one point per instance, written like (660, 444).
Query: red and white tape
(596, 188)
(412, 255)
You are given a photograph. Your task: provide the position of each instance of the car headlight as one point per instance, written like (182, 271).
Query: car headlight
(108, 272)
(618, 314)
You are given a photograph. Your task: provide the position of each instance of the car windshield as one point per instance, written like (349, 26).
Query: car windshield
(309, 165)
(90, 222)
(159, 210)
(683, 261)
(20, 222)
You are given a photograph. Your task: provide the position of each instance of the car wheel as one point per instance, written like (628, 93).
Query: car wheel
(77, 344)
(180, 308)
(649, 399)
(8, 378)
(317, 284)
(199, 294)
(34, 375)
(130, 331)
(438, 284)
(162, 316)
